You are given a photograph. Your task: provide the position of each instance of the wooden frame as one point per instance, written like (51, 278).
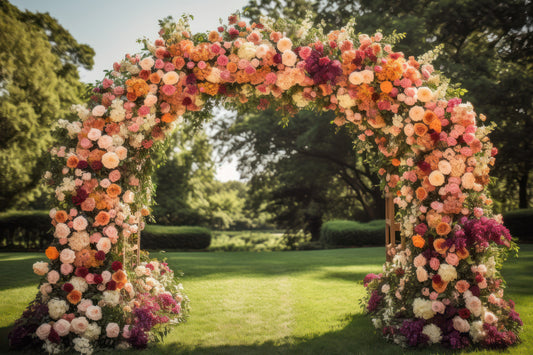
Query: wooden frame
(391, 227)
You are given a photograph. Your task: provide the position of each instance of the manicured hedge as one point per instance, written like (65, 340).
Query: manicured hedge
(520, 224)
(171, 237)
(25, 230)
(351, 233)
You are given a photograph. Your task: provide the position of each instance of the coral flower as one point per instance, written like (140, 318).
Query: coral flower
(74, 297)
(436, 178)
(386, 87)
(418, 241)
(440, 287)
(421, 193)
(439, 245)
(443, 229)
(113, 190)
(52, 253)
(102, 218)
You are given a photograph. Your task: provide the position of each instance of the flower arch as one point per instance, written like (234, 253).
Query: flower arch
(434, 157)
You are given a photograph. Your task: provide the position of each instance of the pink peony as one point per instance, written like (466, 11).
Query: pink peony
(98, 110)
(460, 324)
(62, 327)
(79, 325)
(126, 333)
(93, 313)
(61, 231)
(67, 256)
(94, 134)
(43, 331)
(112, 330)
(438, 307)
(66, 269)
(84, 304)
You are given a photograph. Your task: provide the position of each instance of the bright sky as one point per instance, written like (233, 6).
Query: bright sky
(111, 28)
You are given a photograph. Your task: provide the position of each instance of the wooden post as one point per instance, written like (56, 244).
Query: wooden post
(391, 227)
(138, 249)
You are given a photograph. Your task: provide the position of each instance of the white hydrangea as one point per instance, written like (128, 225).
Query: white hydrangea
(422, 308)
(447, 272)
(491, 267)
(112, 298)
(433, 332)
(346, 101)
(476, 331)
(81, 110)
(117, 112)
(51, 348)
(377, 323)
(79, 284)
(57, 307)
(83, 346)
(93, 331)
(247, 51)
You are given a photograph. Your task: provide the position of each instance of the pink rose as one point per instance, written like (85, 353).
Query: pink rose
(61, 231)
(128, 196)
(94, 313)
(106, 276)
(94, 134)
(438, 307)
(43, 331)
(67, 256)
(79, 325)
(66, 269)
(62, 327)
(126, 333)
(98, 110)
(460, 324)
(53, 277)
(79, 223)
(490, 317)
(434, 263)
(112, 330)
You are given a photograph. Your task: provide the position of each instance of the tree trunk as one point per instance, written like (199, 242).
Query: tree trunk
(523, 193)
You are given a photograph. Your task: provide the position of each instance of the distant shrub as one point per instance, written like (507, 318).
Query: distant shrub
(168, 237)
(519, 223)
(250, 240)
(351, 233)
(25, 230)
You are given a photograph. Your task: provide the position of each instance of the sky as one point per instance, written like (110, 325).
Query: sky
(112, 28)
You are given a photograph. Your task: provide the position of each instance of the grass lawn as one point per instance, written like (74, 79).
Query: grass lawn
(302, 302)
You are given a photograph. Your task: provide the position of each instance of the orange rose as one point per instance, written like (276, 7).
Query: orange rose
(72, 161)
(386, 86)
(396, 162)
(51, 253)
(113, 190)
(213, 36)
(102, 218)
(61, 216)
(429, 116)
(420, 129)
(421, 193)
(435, 125)
(462, 253)
(168, 117)
(439, 246)
(232, 67)
(418, 241)
(443, 229)
(440, 287)
(74, 297)
(145, 211)
(155, 78)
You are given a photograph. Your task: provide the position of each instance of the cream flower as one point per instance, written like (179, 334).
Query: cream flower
(423, 308)
(284, 44)
(424, 94)
(40, 268)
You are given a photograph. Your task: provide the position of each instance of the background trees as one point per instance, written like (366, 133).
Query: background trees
(38, 83)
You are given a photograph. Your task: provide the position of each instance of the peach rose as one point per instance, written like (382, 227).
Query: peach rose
(419, 260)
(105, 141)
(436, 178)
(128, 197)
(284, 44)
(40, 268)
(171, 78)
(121, 152)
(490, 317)
(468, 180)
(104, 244)
(421, 274)
(445, 167)
(94, 134)
(79, 223)
(94, 313)
(62, 327)
(147, 63)
(98, 110)
(460, 324)
(424, 94)
(288, 58)
(53, 277)
(110, 160)
(61, 231)
(461, 286)
(356, 78)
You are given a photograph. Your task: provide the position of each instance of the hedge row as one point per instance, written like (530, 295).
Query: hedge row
(25, 230)
(351, 233)
(519, 223)
(171, 237)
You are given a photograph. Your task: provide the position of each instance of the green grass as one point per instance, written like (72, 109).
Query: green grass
(302, 302)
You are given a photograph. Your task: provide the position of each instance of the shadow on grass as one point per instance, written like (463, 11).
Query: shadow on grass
(358, 337)
(17, 271)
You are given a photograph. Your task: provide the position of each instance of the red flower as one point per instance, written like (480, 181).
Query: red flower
(464, 313)
(117, 265)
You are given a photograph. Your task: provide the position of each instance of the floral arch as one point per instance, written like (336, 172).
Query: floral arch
(434, 157)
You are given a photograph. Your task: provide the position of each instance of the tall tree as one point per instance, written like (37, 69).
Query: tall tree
(302, 173)
(487, 48)
(38, 83)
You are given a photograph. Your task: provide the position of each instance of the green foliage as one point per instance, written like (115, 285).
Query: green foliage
(255, 241)
(519, 223)
(183, 237)
(38, 83)
(351, 233)
(25, 230)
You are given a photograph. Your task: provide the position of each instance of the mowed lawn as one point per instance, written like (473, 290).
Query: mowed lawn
(304, 302)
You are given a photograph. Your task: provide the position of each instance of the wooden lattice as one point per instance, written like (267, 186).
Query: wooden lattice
(392, 228)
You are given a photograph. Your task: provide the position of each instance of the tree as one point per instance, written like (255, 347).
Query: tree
(487, 48)
(38, 84)
(302, 173)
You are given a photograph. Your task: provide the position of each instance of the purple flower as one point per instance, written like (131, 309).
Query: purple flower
(321, 69)
(497, 339)
(138, 338)
(412, 330)
(374, 301)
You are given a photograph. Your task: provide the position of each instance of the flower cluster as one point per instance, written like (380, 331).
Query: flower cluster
(434, 156)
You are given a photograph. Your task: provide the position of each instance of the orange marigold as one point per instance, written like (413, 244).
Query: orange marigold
(52, 253)
(418, 241)
(386, 86)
